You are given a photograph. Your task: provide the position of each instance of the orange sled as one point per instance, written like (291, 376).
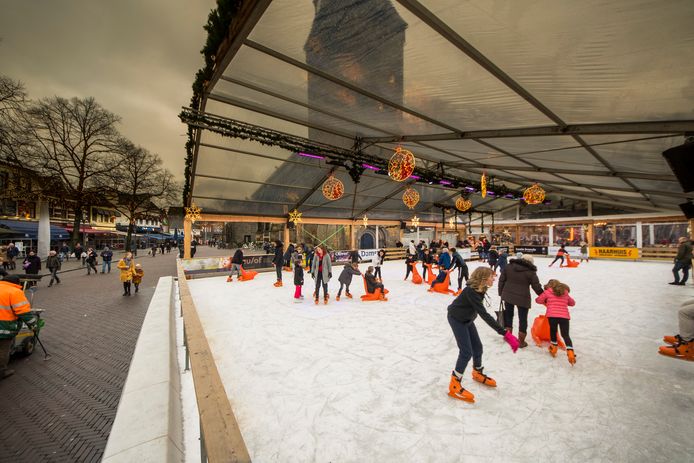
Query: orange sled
(430, 274)
(416, 277)
(377, 295)
(571, 263)
(444, 287)
(540, 332)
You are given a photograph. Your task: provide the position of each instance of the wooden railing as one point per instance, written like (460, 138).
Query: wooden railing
(220, 438)
(395, 253)
(658, 253)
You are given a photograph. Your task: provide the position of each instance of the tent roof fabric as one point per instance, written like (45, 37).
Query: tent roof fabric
(30, 230)
(582, 97)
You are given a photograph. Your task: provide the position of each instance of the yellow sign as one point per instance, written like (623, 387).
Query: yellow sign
(615, 253)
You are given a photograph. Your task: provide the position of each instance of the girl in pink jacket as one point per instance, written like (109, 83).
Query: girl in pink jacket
(557, 299)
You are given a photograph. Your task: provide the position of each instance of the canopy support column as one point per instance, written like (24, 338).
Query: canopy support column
(187, 237)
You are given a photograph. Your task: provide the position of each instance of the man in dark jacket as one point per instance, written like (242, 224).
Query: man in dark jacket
(236, 263)
(354, 256)
(278, 261)
(371, 283)
(514, 288)
(683, 260)
(53, 265)
(12, 253)
(106, 257)
(459, 263)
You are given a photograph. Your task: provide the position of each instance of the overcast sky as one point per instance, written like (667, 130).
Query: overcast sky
(136, 57)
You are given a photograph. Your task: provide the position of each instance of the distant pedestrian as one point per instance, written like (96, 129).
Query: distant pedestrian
(78, 250)
(64, 252)
(106, 257)
(137, 276)
(53, 264)
(84, 256)
(127, 269)
(12, 253)
(153, 250)
(91, 261)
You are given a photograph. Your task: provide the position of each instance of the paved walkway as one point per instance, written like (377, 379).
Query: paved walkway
(62, 409)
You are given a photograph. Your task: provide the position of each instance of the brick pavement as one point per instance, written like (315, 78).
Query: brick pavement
(62, 409)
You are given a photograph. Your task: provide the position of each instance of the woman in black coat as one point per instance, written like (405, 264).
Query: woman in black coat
(32, 264)
(514, 288)
(278, 261)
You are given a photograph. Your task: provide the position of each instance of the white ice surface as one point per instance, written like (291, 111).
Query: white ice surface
(367, 381)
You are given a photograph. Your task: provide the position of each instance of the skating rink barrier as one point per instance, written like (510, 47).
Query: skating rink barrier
(148, 424)
(220, 438)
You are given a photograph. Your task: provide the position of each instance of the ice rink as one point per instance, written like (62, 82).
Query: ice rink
(356, 381)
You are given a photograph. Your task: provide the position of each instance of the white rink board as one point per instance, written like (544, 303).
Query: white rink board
(362, 382)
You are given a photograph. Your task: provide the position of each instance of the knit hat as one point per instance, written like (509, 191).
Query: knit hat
(528, 258)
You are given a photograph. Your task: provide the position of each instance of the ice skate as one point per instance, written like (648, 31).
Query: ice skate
(571, 356)
(337, 298)
(479, 376)
(553, 350)
(683, 350)
(456, 390)
(676, 339)
(229, 279)
(521, 339)
(278, 284)
(349, 295)
(382, 297)
(316, 300)
(325, 299)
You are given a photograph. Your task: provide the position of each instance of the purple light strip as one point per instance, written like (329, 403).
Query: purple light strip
(491, 193)
(415, 177)
(469, 188)
(445, 182)
(368, 166)
(308, 155)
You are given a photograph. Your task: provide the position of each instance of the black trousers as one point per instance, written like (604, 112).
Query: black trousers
(342, 285)
(556, 259)
(409, 270)
(319, 284)
(563, 324)
(377, 272)
(469, 344)
(462, 274)
(522, 317)
(126, 287)
(278, 269)
(54, 276)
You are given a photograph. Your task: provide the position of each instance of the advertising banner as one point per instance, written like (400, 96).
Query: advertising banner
(223, 264)
(342, 257)
(615, 253)
(572, 250)
(466, 253)
(536, 250)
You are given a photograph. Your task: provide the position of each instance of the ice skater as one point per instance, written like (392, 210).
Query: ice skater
(584, 252)
(444, 268)
(459, 263)
(682, 345)
(557, 299)
(322, 272)
(514, 288)
(345, 279)
(560, 256)
(297, 260)
(461, 317)
(236, 263)
(372, 284)
(380, 257)
(278, 261)
(410, 262)
(493, 258)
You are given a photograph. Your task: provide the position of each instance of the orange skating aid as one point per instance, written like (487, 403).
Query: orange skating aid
(456, 390)
(570, 263)
(430, 274)
(540, 332)
(571, 356)
(444, 287)
(248, 275)
(416, 277)
(480, 377)
(377, 295)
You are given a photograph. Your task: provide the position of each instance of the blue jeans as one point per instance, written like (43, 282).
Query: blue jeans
(679, 265)
(104, 265)
(469, 344)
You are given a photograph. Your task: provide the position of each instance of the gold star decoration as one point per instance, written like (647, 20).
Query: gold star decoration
(365, 219)
(295, 216)
(415, 221)
(193, 213)
(451, 223)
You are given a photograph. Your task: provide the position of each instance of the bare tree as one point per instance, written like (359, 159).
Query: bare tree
(12, 103)
(140, 184)
(73, 143)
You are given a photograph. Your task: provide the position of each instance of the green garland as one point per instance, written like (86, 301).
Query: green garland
(217, 27)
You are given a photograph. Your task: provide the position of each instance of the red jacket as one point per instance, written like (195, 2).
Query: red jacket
(557, 306)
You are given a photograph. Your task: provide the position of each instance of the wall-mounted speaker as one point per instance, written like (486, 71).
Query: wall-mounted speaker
(681, 161)
(688, 209)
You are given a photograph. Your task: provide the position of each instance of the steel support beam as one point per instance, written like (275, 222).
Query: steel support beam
(384, 199)
(673, 128)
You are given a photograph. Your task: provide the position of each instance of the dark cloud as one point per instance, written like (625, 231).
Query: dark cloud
(137, 58)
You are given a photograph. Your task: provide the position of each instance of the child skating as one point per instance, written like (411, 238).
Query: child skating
(297, 259)
(557, 299)
(461, 317)
(345, 279)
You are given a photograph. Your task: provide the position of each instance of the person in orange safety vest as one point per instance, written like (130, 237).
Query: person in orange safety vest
(14, 309)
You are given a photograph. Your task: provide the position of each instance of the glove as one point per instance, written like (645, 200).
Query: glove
(512, 341)
(330, 275)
